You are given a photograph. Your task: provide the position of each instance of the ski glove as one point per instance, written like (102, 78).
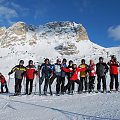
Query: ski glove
(9, 73)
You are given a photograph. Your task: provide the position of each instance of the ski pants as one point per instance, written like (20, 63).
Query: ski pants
(18, 85)
(58, 82)
(27, 85)
(70, 83)
(99, 82)
(91, 83)
(71, 88)
(114, 77)
(4, 85)
(83, 80)
(62, 83)
(47, 81)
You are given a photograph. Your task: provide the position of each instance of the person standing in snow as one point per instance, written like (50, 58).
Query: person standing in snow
(101, 70)
(74, 76)
(56, 74)
(19, 73)
(92, 74)
(83, 75)
(3, 83)
(114, 64)
(46, 70)
(30, 74)
(63, 74)
(71, 88)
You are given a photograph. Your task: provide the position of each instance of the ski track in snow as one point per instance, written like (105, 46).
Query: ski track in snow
(75, 107)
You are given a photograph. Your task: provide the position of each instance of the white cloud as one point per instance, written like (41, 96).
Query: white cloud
(7, 13)
(114, 32)
(10, 10)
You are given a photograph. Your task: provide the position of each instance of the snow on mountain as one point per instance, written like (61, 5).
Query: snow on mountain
(52, 40)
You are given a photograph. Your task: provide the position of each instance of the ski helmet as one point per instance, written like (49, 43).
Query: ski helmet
(30, 62)
(21, 62)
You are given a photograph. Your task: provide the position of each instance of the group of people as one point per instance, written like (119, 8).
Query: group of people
(84, 75)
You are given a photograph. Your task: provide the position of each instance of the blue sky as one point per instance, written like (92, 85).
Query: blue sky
(101, 18)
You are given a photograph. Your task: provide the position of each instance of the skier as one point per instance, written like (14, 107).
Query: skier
(3, 83)
(63, 74)
(56, 74)
(19, 73)
(30, 74)
(101, 70)
(71, 88)
(114, 64)
(83, 75)
(92, 74)
(46, 71)
(74, 76)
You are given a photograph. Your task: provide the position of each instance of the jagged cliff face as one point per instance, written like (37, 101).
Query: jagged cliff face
(63, 33)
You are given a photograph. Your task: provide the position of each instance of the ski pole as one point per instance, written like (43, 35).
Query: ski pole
(24, 85)
(39, 80)
(35, 84)
(8, 85)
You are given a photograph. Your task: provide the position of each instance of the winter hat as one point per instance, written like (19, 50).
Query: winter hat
(46, 59)
(100, 58)
(64, 60)
(21, 62)
(70, 62)
(30, 62)
(58, 60)
(83, 61)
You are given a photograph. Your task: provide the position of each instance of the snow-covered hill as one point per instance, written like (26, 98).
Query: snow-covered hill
(52, 40)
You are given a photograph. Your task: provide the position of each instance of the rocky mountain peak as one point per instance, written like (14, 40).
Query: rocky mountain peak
(20, 33)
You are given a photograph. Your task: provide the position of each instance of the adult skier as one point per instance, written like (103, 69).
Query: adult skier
(74, 76)
(56, 74)
(19, 73)
(63, 74)
(46, 70)
(83, 76)
(71, 88)
(101, 70)
(30, 75)
(3, 83)
(114, 64)
(92, 74)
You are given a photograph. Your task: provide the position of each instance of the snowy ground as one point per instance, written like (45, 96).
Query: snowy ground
(94, 106)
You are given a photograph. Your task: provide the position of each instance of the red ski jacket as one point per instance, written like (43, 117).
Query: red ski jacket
(92, 70)
(74, 75)
(113, 67)
(30, 72)
(2, 79)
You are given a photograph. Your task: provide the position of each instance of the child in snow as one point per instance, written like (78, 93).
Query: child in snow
(3, 83)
